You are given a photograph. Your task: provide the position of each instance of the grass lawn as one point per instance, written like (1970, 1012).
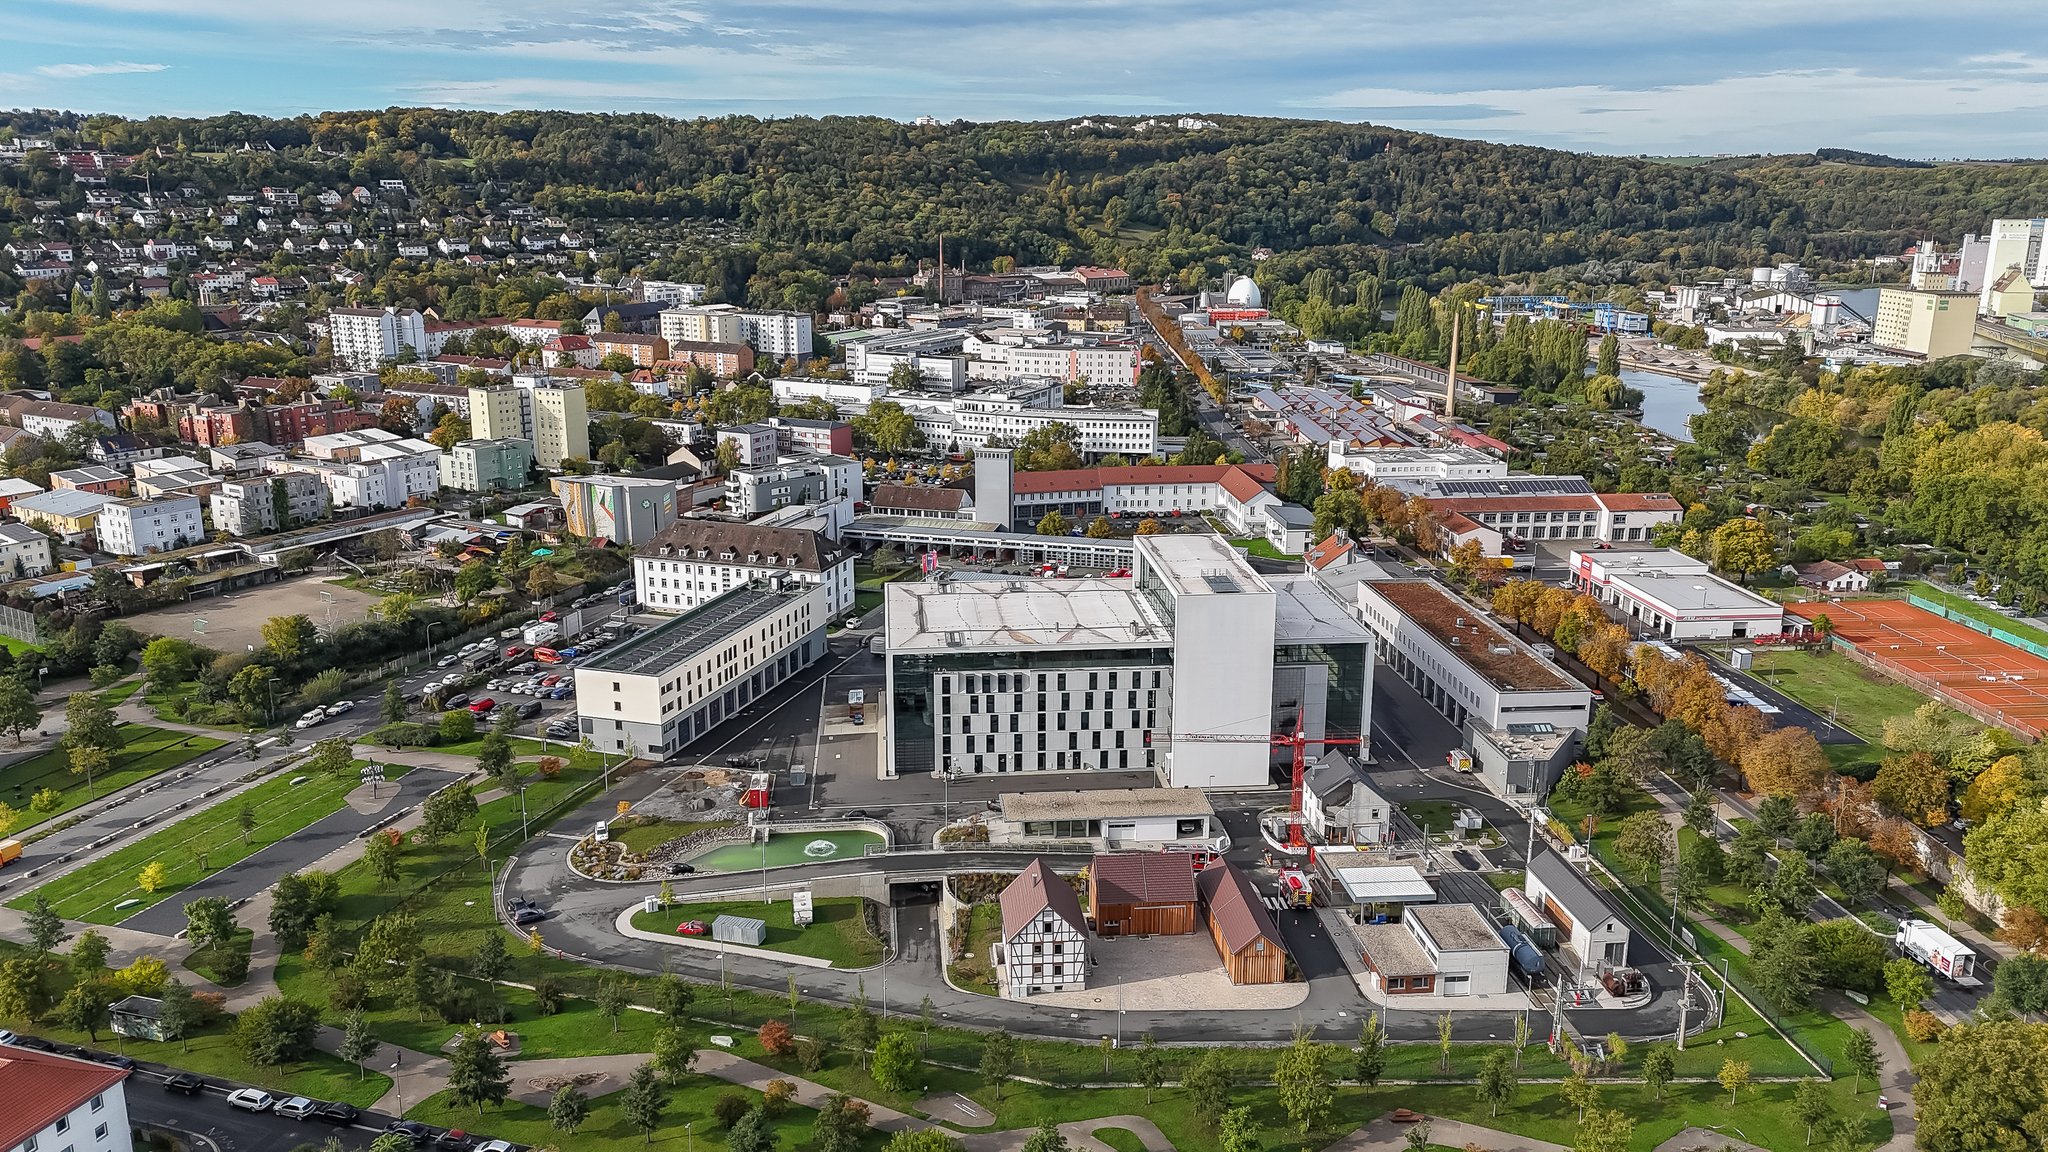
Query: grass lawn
(1121, 1139)
(1833, 685)
(1983, 613)
(984, 928)
(121, 692)
(145, 751)
(838, 933)
(211, 1052)
(196, 847)
(20, 648)
(521, 746)
(1435, 815)
(206, 961)
(640, 839)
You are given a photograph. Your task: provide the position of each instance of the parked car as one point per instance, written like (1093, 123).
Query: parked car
(7, 1037)
(455, 1140)
(336, 1112)
(509, 633)
(420, 1134)
(525, 916)
(692, 928)
(109, 1058)
(681, 869)
(296, 1108)
(311, 718)
(497, 1146)
(251, 1100)
(562, 693)
(184, 1082)
(340, 707)
(479, 707)
(459, 700)
(550, 616)
(528, 709)
(448, 661)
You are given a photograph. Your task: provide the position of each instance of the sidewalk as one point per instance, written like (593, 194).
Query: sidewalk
(1383, 1135)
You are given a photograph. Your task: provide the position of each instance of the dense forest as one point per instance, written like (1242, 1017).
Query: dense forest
(839, 195)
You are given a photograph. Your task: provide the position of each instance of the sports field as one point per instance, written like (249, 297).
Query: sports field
(1940, 655)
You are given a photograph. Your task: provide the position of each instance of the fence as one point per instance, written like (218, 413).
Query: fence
(1974, 624)
(20, 625)
(1928, 687)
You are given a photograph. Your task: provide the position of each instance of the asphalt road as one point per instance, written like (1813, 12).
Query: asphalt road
(230, 1129)
(300, 850)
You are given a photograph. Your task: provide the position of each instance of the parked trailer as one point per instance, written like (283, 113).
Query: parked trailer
(1949, 958)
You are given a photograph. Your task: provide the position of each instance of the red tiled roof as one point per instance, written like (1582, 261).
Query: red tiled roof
(1868, 564)
(1142, 877)
(1329, 551)
(1035, 890)
(45, 1088)
(1089, 479)
(1240, 485)
(1639, 502)
(1458, 522)
(922, 498)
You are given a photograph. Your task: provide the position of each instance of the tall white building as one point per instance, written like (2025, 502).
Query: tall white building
(2013, 244)
(553, 414)
(56, 1103)
(670, 292)
(1184, 669)
(702, 324)
(373, 468)
(364, 338)
(143, 526)
(777, 334)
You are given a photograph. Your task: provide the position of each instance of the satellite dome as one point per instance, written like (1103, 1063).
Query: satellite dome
(1244, 293)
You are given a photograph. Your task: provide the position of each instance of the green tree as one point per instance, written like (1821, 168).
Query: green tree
(392, 710)
(358, 1044)
(1604, 1131)
(1659, 1065)
(1744, 547)
(998, 1055)
(1862, 1056)
(886, 428)
(1734, 1076)
(245, 820)
(177, 1013)
(209, 922)
(1646, 842)
(1046, 1138)
(1579, 1092)
(1497, 1080)
(381, 857)
(89, 955)
(751, 1133)
(333, 757)
(1906, 981)
(1781, 960)
(1981, 1088)
(645, 1102)
(568, 1108)
(297, 901)
(1810, 1103)
(1239, 1132)
(897, 1063)
(922, 1140)
(21, 988)
(276, 1031)
(1207, 1085)
(1151, 1066)
(289, 638)
(472, 580)
(19, 711)
(1052, 524)
(673, 1053)
(85, 1008)
(841, 1122)
(671, 997)
(613, 997)
(1609, 361)
(1306, 1088)
(45, 928)
(476, 1073)
(1372, 1050)
(89, 722)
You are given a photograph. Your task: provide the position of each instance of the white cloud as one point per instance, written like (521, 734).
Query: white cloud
(1775, 111)
(80, 71)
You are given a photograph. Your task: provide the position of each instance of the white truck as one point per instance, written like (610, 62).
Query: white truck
(1948, 957)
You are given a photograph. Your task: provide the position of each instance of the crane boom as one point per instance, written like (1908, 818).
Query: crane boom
(1298, 741)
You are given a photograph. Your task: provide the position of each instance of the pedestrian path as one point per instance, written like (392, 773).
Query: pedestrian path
(1383, 1135)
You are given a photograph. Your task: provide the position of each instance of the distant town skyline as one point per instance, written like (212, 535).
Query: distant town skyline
(1964, 79)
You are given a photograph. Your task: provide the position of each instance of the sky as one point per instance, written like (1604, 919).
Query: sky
(1666, 77)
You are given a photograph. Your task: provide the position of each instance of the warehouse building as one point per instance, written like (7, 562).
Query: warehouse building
(1665, 592)
(1463, 664)
(1436, 949)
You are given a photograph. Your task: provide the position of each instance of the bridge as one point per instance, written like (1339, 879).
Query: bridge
(2005, 336)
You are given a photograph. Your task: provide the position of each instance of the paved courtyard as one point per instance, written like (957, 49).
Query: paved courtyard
(229, 622)
(1166, 974)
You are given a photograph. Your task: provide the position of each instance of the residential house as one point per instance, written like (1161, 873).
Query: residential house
(92, 478)
(23, 552)
(1044, 946)
(1595, 934)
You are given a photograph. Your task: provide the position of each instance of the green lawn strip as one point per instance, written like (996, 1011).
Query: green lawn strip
(211, 1052)
(212, 836)
(17, 646)
(1831, 685)
(973, 971)
(1978, 612)
(1434, 815)
(120, 692)
(1888, 1010)
(206, 961)
(838, 933)
(606, 1129)
(145, 751)
(521, 746)
(641, 839)
(1121, 1139)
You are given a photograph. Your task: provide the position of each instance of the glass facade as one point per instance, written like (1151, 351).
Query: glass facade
(1349, 666)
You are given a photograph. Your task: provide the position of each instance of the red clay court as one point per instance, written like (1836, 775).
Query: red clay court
(1938, 655)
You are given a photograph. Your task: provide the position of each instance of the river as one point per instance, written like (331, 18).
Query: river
(1667, 401)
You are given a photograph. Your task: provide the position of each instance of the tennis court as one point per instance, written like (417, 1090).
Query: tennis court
(1977, 673)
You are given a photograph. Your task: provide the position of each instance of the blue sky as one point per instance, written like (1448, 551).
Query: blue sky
(1961, 78)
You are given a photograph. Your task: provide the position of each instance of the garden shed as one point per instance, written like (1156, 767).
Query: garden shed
(740, 930)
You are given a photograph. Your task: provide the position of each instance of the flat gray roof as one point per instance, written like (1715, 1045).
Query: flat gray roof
(1304, 612)
(1198, 564)
(667, 645)
(964, 615)
(1391, 950)
(1105, 803)
(1456, 927)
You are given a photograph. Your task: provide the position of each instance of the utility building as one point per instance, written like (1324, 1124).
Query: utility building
(1142, 894)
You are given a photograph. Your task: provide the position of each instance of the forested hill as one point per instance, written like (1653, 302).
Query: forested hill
(848, 190)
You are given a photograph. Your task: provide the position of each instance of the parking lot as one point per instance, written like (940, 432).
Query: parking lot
(233, 620)
(540, 692)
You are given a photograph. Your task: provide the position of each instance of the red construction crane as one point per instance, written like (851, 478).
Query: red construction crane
(1299, 741)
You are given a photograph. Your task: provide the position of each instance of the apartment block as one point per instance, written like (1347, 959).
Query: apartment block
(487, 465)
(702, 324)
(141, 526)
(364, 338)
(263, 504)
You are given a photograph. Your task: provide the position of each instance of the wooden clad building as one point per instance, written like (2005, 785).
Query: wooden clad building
(1243, 931)
(1142, 894)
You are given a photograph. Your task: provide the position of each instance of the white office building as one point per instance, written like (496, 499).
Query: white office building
(967, 421)
(144, 526)
(1399, 466)
(23, 552)
(777, 334)
(1184, 669)
(364, 338)
(1666, 592)
(655, 693)
(693, 561)
(1463, 664)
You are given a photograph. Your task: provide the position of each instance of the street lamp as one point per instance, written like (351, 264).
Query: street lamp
(270, 687)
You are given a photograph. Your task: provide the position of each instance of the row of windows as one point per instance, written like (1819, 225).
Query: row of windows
(1074, 760)
(1022, 681)
(1084, 724)
(1017, 741)
(980, 704)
